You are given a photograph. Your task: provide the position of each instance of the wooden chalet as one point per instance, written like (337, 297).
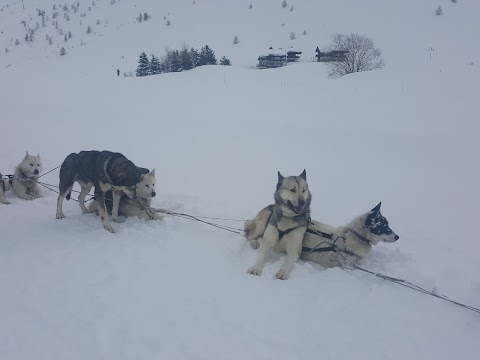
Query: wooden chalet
(332, 56)
(293, 56)
(277, 60)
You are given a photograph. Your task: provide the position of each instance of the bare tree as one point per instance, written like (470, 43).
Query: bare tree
(362, 55)
(439, 11)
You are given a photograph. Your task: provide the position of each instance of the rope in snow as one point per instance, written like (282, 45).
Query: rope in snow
(181, 215)
(49, 187)
(198, 218)
(405, 283)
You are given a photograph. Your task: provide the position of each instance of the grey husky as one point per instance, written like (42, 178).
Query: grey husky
(140, 206)
(104, 170)
(282, 225)
(24, 182)
(346, 245)
(4, 186)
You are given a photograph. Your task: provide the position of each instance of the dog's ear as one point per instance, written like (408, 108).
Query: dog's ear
(152, 172)
(280, 180)
(26, 154)
(376, 209)
(143, 170)
(38, 155)
(303, 175)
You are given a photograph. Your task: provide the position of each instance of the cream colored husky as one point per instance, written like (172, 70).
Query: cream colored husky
(140, 206)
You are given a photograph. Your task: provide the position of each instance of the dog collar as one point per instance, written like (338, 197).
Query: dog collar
(25, 177)
(364, 239)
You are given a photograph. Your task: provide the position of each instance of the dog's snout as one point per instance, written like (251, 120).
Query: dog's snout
(36, 172)
(301, 202)
(154, 193)
(397, 237)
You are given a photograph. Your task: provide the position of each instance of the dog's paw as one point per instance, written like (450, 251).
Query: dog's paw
(255, 271)
(60, 215)
(282, 275)
(6, 202)
(109, 228)
(254, 243)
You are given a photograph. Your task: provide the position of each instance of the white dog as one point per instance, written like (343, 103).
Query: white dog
(140, 206)
(24, 182)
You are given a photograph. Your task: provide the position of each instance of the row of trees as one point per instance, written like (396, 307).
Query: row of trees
(178, 60)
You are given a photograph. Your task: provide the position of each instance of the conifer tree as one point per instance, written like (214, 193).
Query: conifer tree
(186, 59)
(207, 56)
(195, 56)
(225, 61)
(143, 68)
(154, 65)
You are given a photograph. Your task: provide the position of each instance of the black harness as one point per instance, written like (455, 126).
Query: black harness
(322, 249)
(329, 236)
(281, 234)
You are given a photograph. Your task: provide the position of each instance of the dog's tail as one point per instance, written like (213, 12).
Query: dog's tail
(68, 195)
(256, 227)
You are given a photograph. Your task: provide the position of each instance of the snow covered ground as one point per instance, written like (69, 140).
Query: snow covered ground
(176, 289)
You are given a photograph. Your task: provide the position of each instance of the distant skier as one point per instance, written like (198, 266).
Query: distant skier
(118, 72)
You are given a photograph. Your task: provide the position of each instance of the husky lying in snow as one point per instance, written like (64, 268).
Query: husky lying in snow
(282, 225)
(342, 246)
(105, 170)
(24, 182)
(139, 206)
(4, 186)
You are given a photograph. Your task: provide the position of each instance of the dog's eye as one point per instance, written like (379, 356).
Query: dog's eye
(293, 190)
(31, 164)
(147, 186)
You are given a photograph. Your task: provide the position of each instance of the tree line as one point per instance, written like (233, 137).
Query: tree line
(178, 60)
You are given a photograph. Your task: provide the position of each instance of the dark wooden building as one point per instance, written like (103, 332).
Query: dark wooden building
(336, 55)
(277, 60)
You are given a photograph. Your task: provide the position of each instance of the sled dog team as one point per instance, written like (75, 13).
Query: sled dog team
(122, 188)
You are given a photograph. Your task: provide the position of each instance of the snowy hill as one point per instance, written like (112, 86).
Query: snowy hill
(175, 289)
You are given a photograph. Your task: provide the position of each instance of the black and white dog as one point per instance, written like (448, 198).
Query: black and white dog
(342, 246)
(104, 170)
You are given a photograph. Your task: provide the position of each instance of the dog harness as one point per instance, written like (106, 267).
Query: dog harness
(322, 234)
(333, 247)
